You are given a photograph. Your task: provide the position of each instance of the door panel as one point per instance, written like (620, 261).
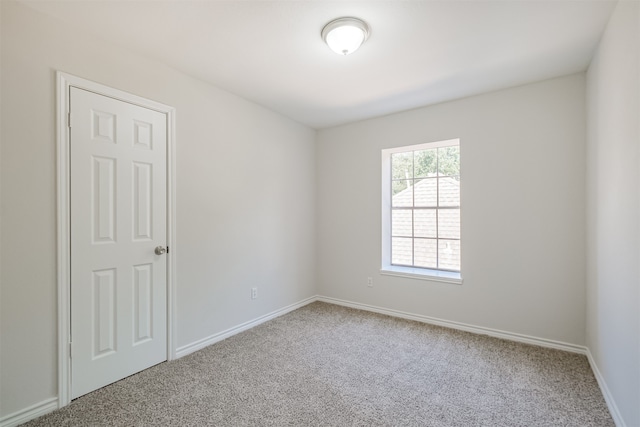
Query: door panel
(118, 217)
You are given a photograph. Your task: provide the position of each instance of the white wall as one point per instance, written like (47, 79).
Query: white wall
(523, 219)
(245, 199)
(613, 210)
(247, 207)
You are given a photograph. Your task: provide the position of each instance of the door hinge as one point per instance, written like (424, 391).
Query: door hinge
(167, 249)
(70, 350)
(69, 119)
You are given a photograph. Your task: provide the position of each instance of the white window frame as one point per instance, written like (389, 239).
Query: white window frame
(402, 271)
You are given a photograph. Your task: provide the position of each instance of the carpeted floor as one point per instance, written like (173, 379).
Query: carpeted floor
(326, 365)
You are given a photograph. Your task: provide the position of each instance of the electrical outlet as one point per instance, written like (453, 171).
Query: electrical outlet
(370, 282)
(254, 293)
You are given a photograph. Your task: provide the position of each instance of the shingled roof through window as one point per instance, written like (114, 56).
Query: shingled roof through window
(424, 193)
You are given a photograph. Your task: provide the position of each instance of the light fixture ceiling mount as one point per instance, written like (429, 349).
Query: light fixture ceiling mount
(345, 35)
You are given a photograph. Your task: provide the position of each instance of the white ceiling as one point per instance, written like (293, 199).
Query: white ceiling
(419, 52)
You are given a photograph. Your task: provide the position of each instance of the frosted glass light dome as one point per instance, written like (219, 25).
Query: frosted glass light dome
(345, 35)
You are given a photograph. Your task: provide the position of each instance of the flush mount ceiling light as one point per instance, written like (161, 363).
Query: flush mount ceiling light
(345, 35)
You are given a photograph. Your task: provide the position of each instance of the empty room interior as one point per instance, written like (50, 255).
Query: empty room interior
(214, 213)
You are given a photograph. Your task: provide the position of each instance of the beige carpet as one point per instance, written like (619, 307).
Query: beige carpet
(325, 365)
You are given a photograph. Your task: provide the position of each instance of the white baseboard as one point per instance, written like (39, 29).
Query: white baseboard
(51, 404)
(608, 397)
(480, 330)
(27, 414)
(207, 341)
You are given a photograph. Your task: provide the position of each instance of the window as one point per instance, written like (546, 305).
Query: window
(421, 211)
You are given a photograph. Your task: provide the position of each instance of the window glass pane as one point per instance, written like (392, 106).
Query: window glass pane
(401, 251)
(426, 192)
(402, 165)
(425, 207)
(425, 163)
(449, 254)
(449, 223)
(424, 222)
(401, 194)
(449, 191)
(401, 222)
(425, 253)
(449, 161)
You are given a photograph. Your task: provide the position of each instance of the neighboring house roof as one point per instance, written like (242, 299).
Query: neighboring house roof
(425, 193)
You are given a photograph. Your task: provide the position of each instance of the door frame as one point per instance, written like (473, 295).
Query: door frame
(64, 83)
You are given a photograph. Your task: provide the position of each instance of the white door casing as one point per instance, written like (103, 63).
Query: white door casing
(118, 217)
(116, 188)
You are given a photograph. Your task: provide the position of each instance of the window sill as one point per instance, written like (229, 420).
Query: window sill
(422, 274)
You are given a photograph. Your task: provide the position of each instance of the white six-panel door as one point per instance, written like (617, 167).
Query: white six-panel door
(118, 217)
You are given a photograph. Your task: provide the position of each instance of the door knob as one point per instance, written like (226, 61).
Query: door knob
(160, 250)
